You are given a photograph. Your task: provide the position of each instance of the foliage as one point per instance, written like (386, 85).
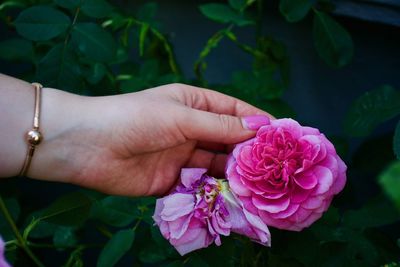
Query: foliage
(96, 48)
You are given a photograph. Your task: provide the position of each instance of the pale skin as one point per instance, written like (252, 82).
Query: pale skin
(131, 144)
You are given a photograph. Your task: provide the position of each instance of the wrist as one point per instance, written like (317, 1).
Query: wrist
(61, 114)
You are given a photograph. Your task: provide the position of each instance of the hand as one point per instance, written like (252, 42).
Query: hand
(136, 144)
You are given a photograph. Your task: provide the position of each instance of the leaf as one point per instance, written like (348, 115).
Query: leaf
(147, 11)
(142, 37)
(152, 254)
(70, 4)
(390, 182)
(377, 212)
(12, 4)
(116, 247)
(64, 237)
(41, 23)
(333, 43)
(69, 210)
(16, 49)
(94, 42)
(59, 68)
(134, 84)
(396, 141)
(294, 10)
(237, 4)
(96, 73)
(116, 211)
(195, 261)
(224, 14)
(371, 109)
(97, 8)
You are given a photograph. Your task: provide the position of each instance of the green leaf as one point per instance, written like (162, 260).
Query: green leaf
(371, 109)
(142, 37)
(176, 263)
(237, 4)
(333, 43)
(116, 247)
(116, 211)
(196, 261)
(96, 73)
(294, 10)
(152, 254)
(94, 42)
(59, 68)
(224, 14)
(97, 8)
(147, 11)
(12, 4)
(41, 23)
(377, 212)
(390, 181)
(64, 237)
(70, 4)
(43, 229)
(134, 84)
(396, 141)
(16, 49)
(69, 210)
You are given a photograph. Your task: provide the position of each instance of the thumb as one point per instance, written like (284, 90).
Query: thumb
(219, 128)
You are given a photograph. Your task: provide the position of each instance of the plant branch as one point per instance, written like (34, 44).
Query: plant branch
(21, 240)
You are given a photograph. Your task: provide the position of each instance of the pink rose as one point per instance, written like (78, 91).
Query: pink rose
(200, 209)
(3, 262)
(287, 175)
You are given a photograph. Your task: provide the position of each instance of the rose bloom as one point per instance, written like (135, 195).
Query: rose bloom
(200, 209)
(287, 174)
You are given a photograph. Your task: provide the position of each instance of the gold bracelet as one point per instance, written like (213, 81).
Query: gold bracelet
(33, 137)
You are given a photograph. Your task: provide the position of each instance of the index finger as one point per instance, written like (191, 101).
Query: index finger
(216, 102)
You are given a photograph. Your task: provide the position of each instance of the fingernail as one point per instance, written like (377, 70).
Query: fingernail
(255, 122)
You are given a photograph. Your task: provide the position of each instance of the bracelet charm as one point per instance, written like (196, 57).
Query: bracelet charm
(34, 136)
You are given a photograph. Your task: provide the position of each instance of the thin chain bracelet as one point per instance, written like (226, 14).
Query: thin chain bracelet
(34, 136)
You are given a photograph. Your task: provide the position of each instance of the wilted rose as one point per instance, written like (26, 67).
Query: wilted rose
(288, 174)
(200, 209)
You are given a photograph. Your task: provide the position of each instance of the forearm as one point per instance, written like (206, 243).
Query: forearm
(60, 112)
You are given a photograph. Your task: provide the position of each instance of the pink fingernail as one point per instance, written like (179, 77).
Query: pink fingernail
(255, 122)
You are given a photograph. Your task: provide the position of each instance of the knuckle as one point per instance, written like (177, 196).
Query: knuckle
(226, 125)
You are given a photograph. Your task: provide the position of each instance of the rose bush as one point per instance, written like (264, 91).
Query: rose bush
(287, 175)
(200, 209)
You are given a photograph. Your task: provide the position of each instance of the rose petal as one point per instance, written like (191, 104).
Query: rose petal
(286, 213)
(178, 227)
(299, 195)
(341, 179)
(306, 180)
(325, 179)
(3, 262)
(191, 175)
(234, 181)
(290, 125)
(313, 203)
(195, 239)
(271, 205)
(300, 215)
(310, 131)
(177, 205)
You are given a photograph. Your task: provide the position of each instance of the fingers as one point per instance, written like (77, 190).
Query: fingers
(215, 163)
(211, 127)
(212, 101)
